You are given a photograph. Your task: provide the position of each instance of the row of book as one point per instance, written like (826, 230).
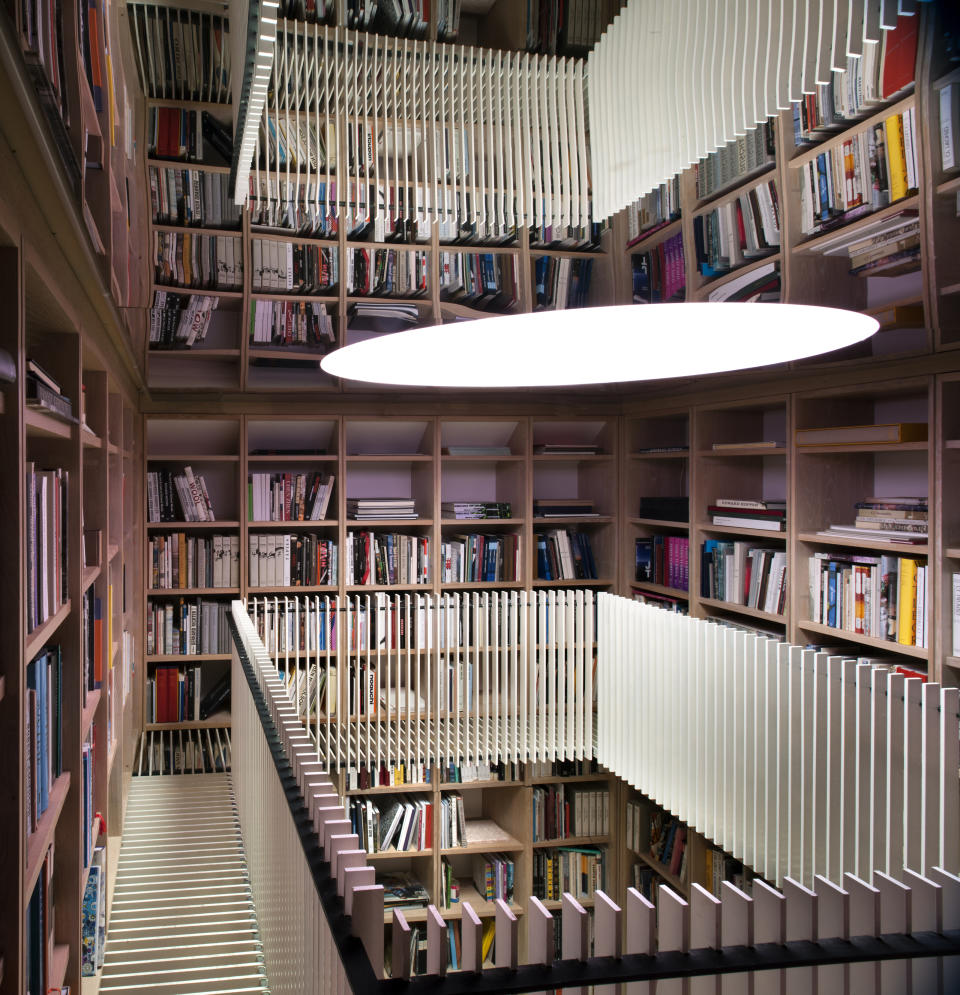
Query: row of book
(555, 27)
(654, 210)
(180, 133)
(564, 554)
(371, 509)
(174, 694)
(180, 321)
(562, 282)
(666, 601)
(884, 597)
(201, 262)
(453, 831)
(467, 510)
(727, 166)
(178, 497)
(181, 560)
(743, 574)
(387, 272)
(666, 838)
(360, 778)
(289, 497)
(303, 559)
(91, 636)
(477, 557)
(192, 197)
(292, 142)
(871, 169)
(93, 916)
(293, 267)
(187, 627)
(48, 561)
(43, 739)
(387, 558)
(404, 18)
(664, 560)
(738, 230)
(493, 876)
(183, 751)
(562, 810)
(38, 933)
(403, 823)
(660, 275)
(481, 280)
(291, 323)
(305, 204)
(181, 54)
(578, 870)
(760, 284)
(881, 72)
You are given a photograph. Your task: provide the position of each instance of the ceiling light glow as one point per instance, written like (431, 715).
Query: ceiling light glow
(600, 345)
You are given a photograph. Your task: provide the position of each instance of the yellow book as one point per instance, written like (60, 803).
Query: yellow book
(896, 160)
(489, 932)
(907, 603)
(110, 625)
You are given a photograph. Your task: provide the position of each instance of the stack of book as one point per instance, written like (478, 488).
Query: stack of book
(887, 519)
(742, 574)
(47, 546)
(578, 870)
(167, 491)
(180, 321)
(401, 890)
(181, 560)
(768, 515)
(293, 267)
(660, 275)
(453, 830)
(391, 558)
(378, 317)
(466, 510)
(370, 509)
(563, 508)
(480, 280)
(298, 560)
(563, 554)
(474, 558)
(289, 497)
(884, 597)
(187, 627)
(291, 323)
(44, 392)
(884, 248)
(758, 285)
(664, 560)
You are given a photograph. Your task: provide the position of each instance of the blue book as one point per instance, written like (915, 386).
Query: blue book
(832, 595)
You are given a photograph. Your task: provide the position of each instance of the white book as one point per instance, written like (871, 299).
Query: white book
(254, 580)
(949, 123)
(218, 561)
(233, 575)
(956, 614)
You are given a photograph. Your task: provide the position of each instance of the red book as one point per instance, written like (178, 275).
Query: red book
(899, 56)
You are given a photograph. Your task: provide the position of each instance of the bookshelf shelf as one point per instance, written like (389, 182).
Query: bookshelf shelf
(477, 585)
(196, 230)
(949, 186)
(950, 290)
(224, 295)
(192, 526)
(483, 524)
(477, 786)
(660, 523)
(679, 454)
(198, 353)
(58, 964)
(89, 439)
(670, 592)
(731, 606)
(216, 721)
(112, 550)
(388, 524)
(572, 457)
(286, 458)
(93, 701)
(572, 841)
(502, 845)
(39, 841)
(579, 582)
(3, 686)
(203, 167)
(743, 184)
(167, 592)
(306, 526)
(360, 588)
(483, 908)
(555, 905)
(390, 458)
(389, 855)
(193, 458)
(573, 520)
(887, 447)
(40, 425)
(44, 632)
(678, 883)
(705, 285)
(657, 233)
(112, 754)
(738, 531)
(391, 789)
(916, 652)
(894, 548)
(598, 778)
(90, 574)
(183, 657)
(294, 589)
(952, 552)
(745, 450)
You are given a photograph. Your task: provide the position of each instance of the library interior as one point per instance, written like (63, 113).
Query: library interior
(318, 678)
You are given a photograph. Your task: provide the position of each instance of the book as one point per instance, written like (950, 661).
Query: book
(949, 106)
(762, 444)
(767, 504)
(767, 524)
(862, 434)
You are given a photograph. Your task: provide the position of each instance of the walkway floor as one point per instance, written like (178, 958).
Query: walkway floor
(182, 919)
